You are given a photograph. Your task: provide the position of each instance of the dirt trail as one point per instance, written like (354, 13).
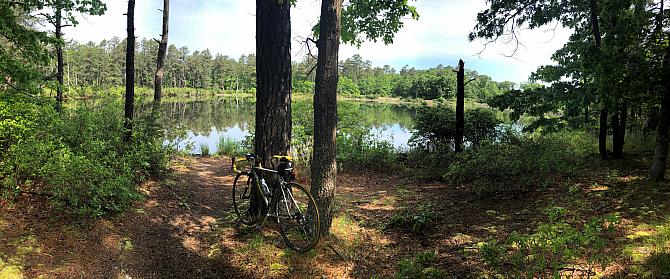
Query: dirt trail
(167, 235)
(186, 228)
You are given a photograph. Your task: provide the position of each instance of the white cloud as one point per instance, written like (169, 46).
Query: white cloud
(112, 23)
(228, 27)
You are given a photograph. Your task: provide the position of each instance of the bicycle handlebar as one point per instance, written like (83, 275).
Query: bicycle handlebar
(254, 163)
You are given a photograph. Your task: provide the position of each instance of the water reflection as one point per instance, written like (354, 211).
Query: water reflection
(193, 123)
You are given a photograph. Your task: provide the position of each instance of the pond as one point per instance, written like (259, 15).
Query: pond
(193, 123)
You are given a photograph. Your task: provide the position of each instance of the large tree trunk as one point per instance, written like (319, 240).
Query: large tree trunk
(59, 57)
(273, 82)
(602, 135)
(660, 161)
(160, 62)
(130, 72)
(323, 165)
(460, 106)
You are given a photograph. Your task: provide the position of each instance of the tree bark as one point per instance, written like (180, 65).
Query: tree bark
(660, 160)
(130, 72)
(59, 57)
(324, 165)
(460, 106)
(602, 135)
(160, 62)
(619, 130)
(273, 82)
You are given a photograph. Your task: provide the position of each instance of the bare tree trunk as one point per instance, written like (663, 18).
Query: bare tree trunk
(660, 161)
(460, 106)
(130, 72)
(619, 130)
(602, 135)
(160, 62)
(324, 165)
(273, 83)
(59, 54)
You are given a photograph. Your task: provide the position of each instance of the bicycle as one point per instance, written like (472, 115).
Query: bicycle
(285, 201)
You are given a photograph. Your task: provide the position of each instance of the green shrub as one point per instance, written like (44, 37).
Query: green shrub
(230, 147)
(80, 161)
(204, 150)
(552, 247)
(480, 125)
(19, 117)
(420, 267)
(504, 167)
(360, 149)
(416, 221)
(436, 126)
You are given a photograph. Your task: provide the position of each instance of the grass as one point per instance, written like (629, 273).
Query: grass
(12, 266)
(230, 147)
(648, 249)
(204, 150)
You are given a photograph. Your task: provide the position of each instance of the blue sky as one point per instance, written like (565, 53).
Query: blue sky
(438, 37)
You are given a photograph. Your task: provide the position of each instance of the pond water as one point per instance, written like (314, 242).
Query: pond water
(193, 123)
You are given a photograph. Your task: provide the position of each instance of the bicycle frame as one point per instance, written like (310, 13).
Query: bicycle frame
(280, 186)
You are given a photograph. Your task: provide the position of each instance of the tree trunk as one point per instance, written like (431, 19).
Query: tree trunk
(130, 72)
(160, 62)
(587, 117)
(651, 122)
(273, 82)
(619, 119)
(619, 130)
(59, 55)
(659, 163)
(602, 135)
(460, 106)
(324, 165)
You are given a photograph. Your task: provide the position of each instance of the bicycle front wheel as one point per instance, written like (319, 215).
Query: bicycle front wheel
(245, 197)
(298, 227)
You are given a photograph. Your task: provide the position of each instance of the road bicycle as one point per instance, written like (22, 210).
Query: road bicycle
(260, 193)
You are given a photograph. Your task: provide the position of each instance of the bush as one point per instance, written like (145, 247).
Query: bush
(419, 267)
(81, 163)
(230, 147)
(19, 117)
(504, 167)
(416, 221)
(552, 247)
(436, 126)
(480, 125)
(204, 150)
(358, 148)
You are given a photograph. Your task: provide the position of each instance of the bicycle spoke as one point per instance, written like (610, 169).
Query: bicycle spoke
(299, 232)
(242, 198)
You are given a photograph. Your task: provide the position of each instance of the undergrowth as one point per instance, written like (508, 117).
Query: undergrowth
(78, 158)
(554, 249)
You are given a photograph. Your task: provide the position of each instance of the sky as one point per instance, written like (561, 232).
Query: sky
(439, 36)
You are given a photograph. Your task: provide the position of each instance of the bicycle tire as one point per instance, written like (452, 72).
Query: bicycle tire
(243, 195)
(307, 227)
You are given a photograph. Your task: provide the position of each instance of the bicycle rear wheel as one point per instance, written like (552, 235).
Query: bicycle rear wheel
(245, 198)
(298, 228)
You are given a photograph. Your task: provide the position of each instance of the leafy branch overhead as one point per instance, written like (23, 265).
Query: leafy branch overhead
(68, 8)
(372, 20)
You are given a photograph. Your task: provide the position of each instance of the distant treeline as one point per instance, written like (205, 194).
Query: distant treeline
(102, 65)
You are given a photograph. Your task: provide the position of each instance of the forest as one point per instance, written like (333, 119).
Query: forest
(134, 157)
(99, 68)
